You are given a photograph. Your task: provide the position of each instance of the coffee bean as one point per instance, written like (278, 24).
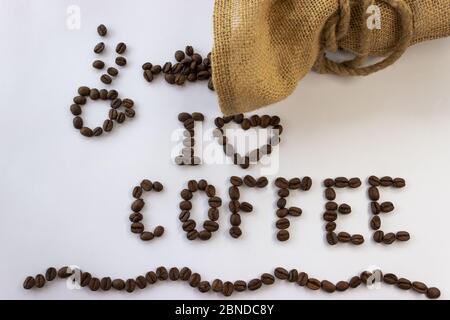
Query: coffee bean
(228, 289)
(130, 285)
(313, 284)
(375, 207)
(246, 207)
(402, 236)
(249, 181)
(378, 236)
(433, 293)
(214, 202)
(121, 48)
(194, 280)
(234, 193)
(282, 183)
(327, 286)
(102, 31)
(281, 203)
(328, 183)
(157, 186)
(204, 235)
(75, 109)
(302, 279)
(404, 284)
(94, 284)
(344, 237)
(354, 183)
(97, 132)
(262, 182)
(364, 276)
(283, 193)
(121, 117)
(295, 212)
(387, 207)
(282, 213)
(40, 281)
(342, 286)
(357, 239)
(390, 278)
(185, 274)
(331, 206)
(108, 125)
(103, 94)
(293, 184)
(293, 275)
(330, 216)
(87, 132)
(210, 191)
(189, 225)
(179, 55)
(99, 47)
(344, 209)
(192, 235)
(374, 194)
(50, 274)
(355, 282)
(267, 279)
(204, 286)
(84, 91)
(389, 238)
(330, 226)
(240, 285)
(148, 75)
(419, 287)
(147, 236)
(29, 283)
(282, 223)
(118, 284)
(136, 217)
(127, 103)
(386, 181)
(235, 220)
(161, 273)
(79, 100)
(281, 273)
(85, 279)
(106, 283)
(98, 64)
(283, 235)
(213, 214)
(254, 284)
(211, 226)
(399, 183)
(341, 182)
(137, 205)
(106, 79)
(64, 272)
(197, 58)
(197, 116)
(375, 223)
(185, 205)
(332, 238)
(330, 194)
(141, 282)
(306, 183)
(159, 231)
(121, 61)
(374, 181)
(137, 227)
(235, 232)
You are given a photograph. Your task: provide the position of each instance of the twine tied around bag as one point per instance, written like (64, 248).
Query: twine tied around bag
(336, 28)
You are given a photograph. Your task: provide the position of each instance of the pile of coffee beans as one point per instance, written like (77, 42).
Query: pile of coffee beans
(254, 121)
(332, 209)
(284, 187)
(136, 216)
(226, 288)
(111, 72)
(385, 207)
(187, 156)
(115, 114)
(189, 66)
(214, 202)
(235, 206)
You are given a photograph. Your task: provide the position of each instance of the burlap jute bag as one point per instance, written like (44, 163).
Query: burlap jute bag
(263, 48)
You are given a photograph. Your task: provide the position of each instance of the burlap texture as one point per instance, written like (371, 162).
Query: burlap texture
(263, 48)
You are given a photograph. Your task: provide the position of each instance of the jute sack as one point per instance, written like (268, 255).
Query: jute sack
(262, 48)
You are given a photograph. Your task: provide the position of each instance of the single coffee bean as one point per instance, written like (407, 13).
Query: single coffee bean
(210, 191)
(249, 181)
(330, 216)
(313, 284)
(387, 207)
(65, 272)
(29, 283)
(214, 202)
(141, 282)
(390, 278)
(234, 193)
(179, 55)
(137, 227)
(85, 279)
(106, 79)
(213, 214)
(306, 183)
(203, 75)
(167, 67)
(174, 274)
(331, 206)
(235, 232)
(399, 183)
(161, 273)
(228, 289)
(332, 238)
(112, 71)
(344, 237)
(293, 275)
(375, 223)
(354, 183)
(378, 236)
(94, 284)
(254, 284)
(146, 185)
(386, 181)
(103, 94)
(148, 75)
(433, 293)
(204, 286)
(157, 186)
(87, 132)
(50, 274)
(101, 30)
(402, 236)
(246, 207)
(211, 226)
(194, 280)
(159, 231)
(137, 205)
(235, 219)
(192, 235)
(282, 213)
(84, 91)
(342, 286)
(130, 285)
(281, 273)
(185, 205)
(364, 276)
(419, 287)
(282, 223)
(121, 61)
(267, 279)
(330, 194)
(185, 274)
(40, 281)
(217, 285)
(327, 286)
(341, 182)
(281, 203)
(283, 193)
(113, 114)
(240, 285)
(97, 132)
(355, 282)
(328, 183)
(374, 181)
(147, 236)
(106, 283)
(282, 183)
(404, 284)
(99, 47)
(302, 279)
(121, 117)
(374, 194)
(357, 239)
(389, 238)
(79, 100)
(262, 182)
(283, 235)
(186, 194)
(98, 64)
(189, 225)
(108, 125)
(75, 109)
(121, 48)
(344, 209)
(295, 211)
(330, 226)
(118, 284)
(136, 217)
(147, 66)
(204, 235)
(375, 207)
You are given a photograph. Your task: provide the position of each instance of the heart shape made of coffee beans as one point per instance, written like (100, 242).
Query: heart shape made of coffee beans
(254, 121)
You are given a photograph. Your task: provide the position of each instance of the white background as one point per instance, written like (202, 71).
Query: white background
(64, 199)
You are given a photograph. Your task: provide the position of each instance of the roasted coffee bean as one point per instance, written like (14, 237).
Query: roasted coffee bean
(197, 116)
(387, 207)
(183, 116)
(113, 114)
(185, 205)
(330, 194)
(419, 287)
(275, 120)
(332, 238)
(281, 273)
(121, 61)
(167, 67)
(137, 205)
(328, 183)
(85, 279)
(327, 286)
(374, 181)
(399, 183)
(245, 124)
(341, 182)
(330, 216)
(204, 235)
(141, 282)
(137, 227)
(342, 286)
(389, 238)
(118, 284)
(106, 79)
(194, 280)
(161, 273)
(137, 192)
(355, 282)
(219, 122)
(282, 213)
(147, 66)
(283, 235)
(97, 132)
(331, 206)
(159, 231)
(84, 91)
(99, 47)
(344, 209)
(40, 281)
(106, 283)
(50, 274)
(146, 185)
(136, 217)
(186, 194)
(180, 79)
(375, 207)
(29, 283)
(262, 182)
(306, 183)
(185, 273)
(203, 75)
(281, 203)
(157, 186)
(192, 235)
(234, 193)
(101, 30)
(197, 58)
(283, 193)
(433, 293)
(228, 289)
(98, 64)
(313, 284)
(75, 109)
(127, 103)
(344, 237)
(210, 191)
(374, 194)
(378, 236)
(179, 55)
(364, 276)
(204, 286)
(330, 226)
(354, 183)
(148, 75)
(249, 181)
(189, 225)
(213, 214)
(278, 129)
(192, 185)
(112, 94)
(386, 181)
(302, 279)
(254, 284)
(156, 69)
(282, 183)
(94, 284)
(240, 285)
(217, 285)
(293, 275)
(79, 100)
(189, 124)
(235, 232)
(116, 103)
(130, 285)
(282, 223)
(147, 236)
(357, 239)
(235, 220)
(404, 284)
(210, 226)
(184, 216)
(189, 50)
(375, 223)
(108, 125)
(214, 202)
(121, 117)
(94, 94)
(246, 207)
(174, 274)
(255, 120)
(295, 212)
(402, 236)
(267, 279)
(121, 48)
(294, 184)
